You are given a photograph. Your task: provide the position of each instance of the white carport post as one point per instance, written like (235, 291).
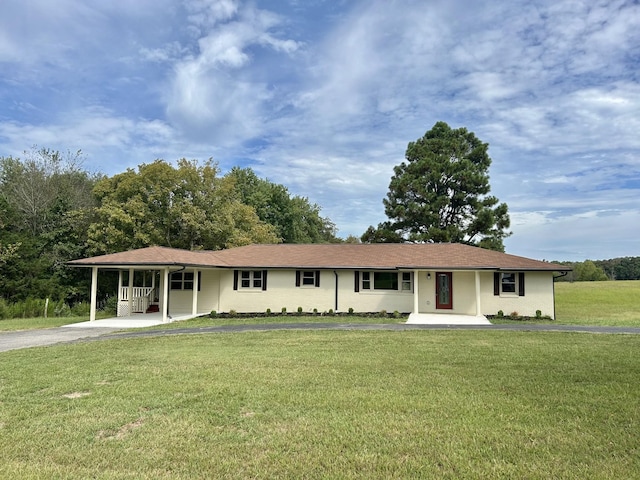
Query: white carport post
(416, 302)
(130, 291)
(478, 305)
(165, 294)
(94, 293)
(194, 304)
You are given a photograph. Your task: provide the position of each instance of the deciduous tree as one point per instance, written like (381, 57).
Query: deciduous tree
(188, 206)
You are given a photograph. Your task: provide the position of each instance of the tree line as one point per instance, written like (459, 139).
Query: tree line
(621, 268)
(52, 210)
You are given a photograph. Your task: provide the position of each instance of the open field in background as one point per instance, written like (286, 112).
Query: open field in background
(293, 404)
(614, 303)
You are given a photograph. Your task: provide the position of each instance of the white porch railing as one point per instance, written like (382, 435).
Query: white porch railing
(140, 300)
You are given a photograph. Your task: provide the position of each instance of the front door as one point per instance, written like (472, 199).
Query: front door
(444, 290)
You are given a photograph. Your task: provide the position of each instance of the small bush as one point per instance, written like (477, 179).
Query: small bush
(538, 314)
(514, 314)
(500, 314)
(330, 312)
(350, 310)
(315, 311)
(299, 310)
(268, 311)
(233, 313)
(111, 305)
(396, 314)
(284, 310)
(383, 313)
(213, 314)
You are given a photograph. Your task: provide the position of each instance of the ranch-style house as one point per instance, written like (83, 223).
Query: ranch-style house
(420, 279)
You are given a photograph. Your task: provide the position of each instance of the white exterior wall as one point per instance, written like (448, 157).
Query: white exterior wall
(216, 293)
(181, 301)
(538, 296)
(282, 292)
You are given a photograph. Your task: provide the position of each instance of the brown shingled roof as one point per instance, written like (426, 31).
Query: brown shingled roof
(152, 256)
(339, 256)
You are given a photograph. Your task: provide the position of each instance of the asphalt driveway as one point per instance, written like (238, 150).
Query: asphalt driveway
(51, 336)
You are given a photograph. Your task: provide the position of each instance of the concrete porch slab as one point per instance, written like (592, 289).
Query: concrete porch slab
(446, 319)
(140, 320)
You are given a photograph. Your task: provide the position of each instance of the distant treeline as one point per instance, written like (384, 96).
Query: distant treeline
(623, 268)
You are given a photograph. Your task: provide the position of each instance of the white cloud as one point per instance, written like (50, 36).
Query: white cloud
(325, 96)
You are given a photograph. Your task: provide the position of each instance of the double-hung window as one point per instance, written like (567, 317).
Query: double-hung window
(508, 283)
(251, 279)
(182, 281)
(307, 278)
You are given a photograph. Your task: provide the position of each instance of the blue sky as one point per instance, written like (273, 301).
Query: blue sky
(323, 96)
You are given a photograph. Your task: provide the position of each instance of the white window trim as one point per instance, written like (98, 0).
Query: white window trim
(515, 284)
(251, 278)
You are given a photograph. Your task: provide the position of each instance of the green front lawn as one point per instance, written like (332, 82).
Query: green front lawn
(325, 404)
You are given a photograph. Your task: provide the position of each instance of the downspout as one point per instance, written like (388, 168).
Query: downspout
(336, 302)
(553, 285)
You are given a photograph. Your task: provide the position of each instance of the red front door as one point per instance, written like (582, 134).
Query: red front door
(444, 290)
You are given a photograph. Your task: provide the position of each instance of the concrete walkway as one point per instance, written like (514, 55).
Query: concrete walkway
(50, 336)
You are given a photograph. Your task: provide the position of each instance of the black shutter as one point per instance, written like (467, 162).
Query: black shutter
(317, 278)
(235, 279)
(199, 280)
(357, 282)
(297, 278)
(496, 283)
(521, 284)
(264, 280)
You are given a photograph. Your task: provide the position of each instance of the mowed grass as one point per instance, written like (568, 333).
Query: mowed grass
(598, 303)
(325, 404)
(12, 324)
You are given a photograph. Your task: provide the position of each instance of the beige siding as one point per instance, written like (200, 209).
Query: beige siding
(282, 292)
(538, 296)
(208, 296)
(217, 294)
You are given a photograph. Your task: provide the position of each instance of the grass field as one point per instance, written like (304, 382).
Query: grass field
(598, 303)
(294, 404)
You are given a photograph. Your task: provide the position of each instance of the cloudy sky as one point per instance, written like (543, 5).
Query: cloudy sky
(323, 96)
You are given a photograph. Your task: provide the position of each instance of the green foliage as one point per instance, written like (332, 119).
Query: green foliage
(268, 311)
(35, 308)
(624, 268)
(500, 314)
(283, 310)
(45, 207)
(213, 314)
(350, 310)
(586, 271)
(538, 313)
(294, 219)
(441, 194)
(299, 310)
(186, 207)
